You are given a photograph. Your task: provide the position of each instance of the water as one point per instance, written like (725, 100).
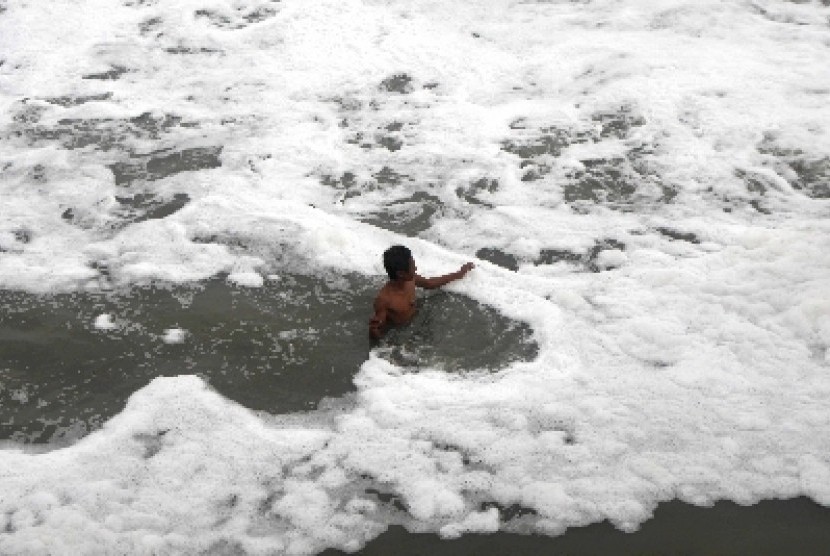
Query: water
(194, 199)
(279, 348)
(769, 527)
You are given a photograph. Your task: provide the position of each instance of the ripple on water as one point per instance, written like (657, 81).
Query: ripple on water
(279, 348)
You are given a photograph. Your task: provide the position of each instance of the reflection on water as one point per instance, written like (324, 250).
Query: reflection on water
(279, 348)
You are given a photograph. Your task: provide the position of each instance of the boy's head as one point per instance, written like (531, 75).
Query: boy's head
(397, 259)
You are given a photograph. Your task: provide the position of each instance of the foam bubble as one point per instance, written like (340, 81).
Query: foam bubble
(174, 336)
(248, 279)
(104, 322)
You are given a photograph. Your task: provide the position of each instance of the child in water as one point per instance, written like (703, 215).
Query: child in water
(395, 303)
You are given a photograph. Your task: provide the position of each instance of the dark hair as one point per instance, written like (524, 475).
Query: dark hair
(396, 258)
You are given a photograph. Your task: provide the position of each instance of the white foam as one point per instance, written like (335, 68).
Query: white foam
(249, 279)
(104, 322)
(174, 336)
(611, 258)
(688, 368)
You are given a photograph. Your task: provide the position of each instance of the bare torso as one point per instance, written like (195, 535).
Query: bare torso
(395, 303)
(399, 301)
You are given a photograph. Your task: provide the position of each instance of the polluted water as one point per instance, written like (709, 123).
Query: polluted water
(195, 197)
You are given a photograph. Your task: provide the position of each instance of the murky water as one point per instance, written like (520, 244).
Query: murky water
(280, 348)
(654, 213)
(771, 527)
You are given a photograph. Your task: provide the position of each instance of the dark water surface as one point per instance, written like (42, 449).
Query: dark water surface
(279, 348)
(769, 528)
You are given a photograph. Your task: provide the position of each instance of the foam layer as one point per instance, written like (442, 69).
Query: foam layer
(167, 124)
(182, 469)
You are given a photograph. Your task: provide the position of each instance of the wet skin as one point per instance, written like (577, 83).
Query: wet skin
(395, 302)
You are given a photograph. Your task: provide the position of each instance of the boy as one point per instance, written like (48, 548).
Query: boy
(395, 303)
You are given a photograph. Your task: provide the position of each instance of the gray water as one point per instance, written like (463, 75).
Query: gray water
(769, 528)
(280, 348)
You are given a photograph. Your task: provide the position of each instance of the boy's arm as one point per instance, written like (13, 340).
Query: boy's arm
(377, 324)
(438, 281)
